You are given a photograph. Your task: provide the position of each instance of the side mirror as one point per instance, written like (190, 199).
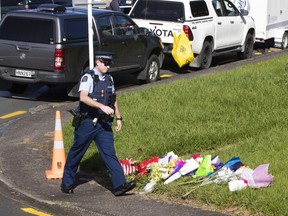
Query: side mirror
(144, 31)
(244, 12)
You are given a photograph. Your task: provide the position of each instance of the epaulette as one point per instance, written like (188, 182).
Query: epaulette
(110, 78)
(93, 75)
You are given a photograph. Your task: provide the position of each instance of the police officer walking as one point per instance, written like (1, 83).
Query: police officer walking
(93, 121)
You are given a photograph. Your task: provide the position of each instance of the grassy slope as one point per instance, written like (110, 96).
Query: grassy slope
(236, 113)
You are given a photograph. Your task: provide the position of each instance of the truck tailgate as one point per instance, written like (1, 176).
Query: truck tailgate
(162, 29)
(22, 55)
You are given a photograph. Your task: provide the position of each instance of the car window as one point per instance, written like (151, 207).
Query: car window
(230, 9)
(27, 30)
(35, 3)
(6, 3)
(124, 26)
(218, 7)
(40, 1)
(66, 3)
(155, 10)
(199, 8)
(105, 26)
(75, 29)
(224, 8)
(9, 5)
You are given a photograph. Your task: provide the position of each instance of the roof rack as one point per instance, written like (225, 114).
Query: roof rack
(55, 8)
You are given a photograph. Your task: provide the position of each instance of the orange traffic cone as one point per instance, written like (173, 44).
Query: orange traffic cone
(59, 159)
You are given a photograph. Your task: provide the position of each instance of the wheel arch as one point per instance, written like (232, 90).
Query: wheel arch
(159, 53)
(72, 89)
(252, 32)
(210, 39)
(284, 43)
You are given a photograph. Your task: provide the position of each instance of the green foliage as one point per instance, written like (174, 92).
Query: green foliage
(241, 112)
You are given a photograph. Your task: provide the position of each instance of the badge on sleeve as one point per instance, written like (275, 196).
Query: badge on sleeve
(84, 79)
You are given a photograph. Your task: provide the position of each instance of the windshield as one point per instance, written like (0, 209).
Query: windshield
(158, 10)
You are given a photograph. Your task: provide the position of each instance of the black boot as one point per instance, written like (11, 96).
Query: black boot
(124, 188)
(67, 190)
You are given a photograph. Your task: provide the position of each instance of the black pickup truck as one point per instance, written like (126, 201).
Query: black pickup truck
(49, 45)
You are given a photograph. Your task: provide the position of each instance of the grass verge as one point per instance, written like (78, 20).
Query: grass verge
(242, 112)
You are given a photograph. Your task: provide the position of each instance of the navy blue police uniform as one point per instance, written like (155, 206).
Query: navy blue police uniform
(97, 126)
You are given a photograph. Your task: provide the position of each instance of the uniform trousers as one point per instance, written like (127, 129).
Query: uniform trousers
(102, 135)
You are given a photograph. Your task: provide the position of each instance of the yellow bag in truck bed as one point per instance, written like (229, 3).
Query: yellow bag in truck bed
(182, 51)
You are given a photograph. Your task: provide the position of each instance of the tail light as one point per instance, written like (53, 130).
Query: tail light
(188, 32)
(59, 59)
(26, 2)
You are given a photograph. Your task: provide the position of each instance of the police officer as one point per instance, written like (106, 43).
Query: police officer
(114, 5)
(97, 107)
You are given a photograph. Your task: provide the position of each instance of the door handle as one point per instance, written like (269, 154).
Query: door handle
(219, 23)
(123, 43)
(22, 48)
(232, 22)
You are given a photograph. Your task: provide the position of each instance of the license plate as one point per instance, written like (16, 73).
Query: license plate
(24, 73)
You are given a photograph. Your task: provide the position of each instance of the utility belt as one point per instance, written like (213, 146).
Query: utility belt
(78, 117)
(104, 117)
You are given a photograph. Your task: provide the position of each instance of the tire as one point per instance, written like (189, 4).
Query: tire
(205, 57)
(284, 43)
(248, 49)
(152, 69)
(17, 88)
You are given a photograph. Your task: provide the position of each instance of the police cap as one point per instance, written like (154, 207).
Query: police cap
(106, 56)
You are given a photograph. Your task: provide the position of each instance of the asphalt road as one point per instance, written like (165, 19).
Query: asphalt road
(14, 203)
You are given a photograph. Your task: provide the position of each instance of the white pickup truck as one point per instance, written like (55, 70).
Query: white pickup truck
(213, 26)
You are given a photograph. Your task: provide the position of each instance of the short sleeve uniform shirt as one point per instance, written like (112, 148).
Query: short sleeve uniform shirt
(86, 83)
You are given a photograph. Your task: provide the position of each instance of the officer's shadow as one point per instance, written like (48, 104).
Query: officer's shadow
(93, 169)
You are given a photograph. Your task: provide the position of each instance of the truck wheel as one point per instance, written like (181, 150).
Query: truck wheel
(284, 43)
(248, 49)
(206, 55)
(152, 69)
(17, 88)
